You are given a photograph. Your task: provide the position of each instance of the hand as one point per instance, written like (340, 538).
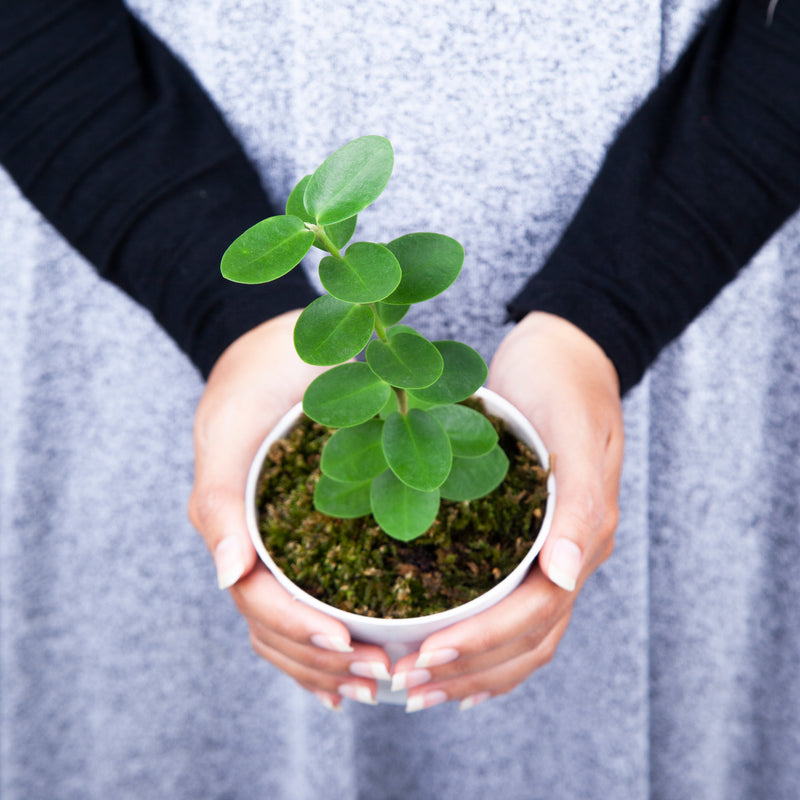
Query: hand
(254, 382)
(563, 382)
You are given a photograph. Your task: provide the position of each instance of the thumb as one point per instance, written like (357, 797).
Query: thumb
(218, 514)
(576, 521)
(586, 512)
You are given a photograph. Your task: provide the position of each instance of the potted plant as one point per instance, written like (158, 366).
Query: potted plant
(397, 431)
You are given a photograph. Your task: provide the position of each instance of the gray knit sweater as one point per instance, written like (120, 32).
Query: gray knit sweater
(125, 674)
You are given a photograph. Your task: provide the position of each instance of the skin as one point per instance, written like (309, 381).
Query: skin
(553, 372)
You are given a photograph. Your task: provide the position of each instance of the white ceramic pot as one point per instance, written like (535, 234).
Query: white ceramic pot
(402, 636)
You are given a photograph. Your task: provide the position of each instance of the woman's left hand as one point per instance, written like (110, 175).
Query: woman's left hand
(563, 382)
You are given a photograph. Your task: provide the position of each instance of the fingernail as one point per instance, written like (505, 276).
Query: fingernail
(338, 644)
(410, 679)
(565, 564)
(357, 692)
(418, 702)
(326, 701)
(370, 669)
(228, 561)
(435, 658)
(473, 700)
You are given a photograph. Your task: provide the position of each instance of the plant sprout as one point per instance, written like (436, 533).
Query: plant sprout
(402, 441)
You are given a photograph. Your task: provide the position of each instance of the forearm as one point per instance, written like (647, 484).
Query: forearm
(113, 140)
(698, 180)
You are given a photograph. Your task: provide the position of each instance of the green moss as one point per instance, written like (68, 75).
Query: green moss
(355, 566)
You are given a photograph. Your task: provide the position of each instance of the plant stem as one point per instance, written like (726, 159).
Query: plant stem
(402, 400)
(380, 330)
(319, 232)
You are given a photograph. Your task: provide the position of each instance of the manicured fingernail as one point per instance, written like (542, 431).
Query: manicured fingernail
(337, 644)
(370, 669)
(229, 562)
(418, 702)
(435, 658)
(327, 701)
(410, 679)
(357, 692)
(473, 700)
(565, 564)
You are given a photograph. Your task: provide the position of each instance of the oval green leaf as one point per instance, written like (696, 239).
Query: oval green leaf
(367, 273)
(430, 263)
(470, 432)
(266, 251)
(330, 332)
(395, 329)
(464, 373)
(407, 360)
(355, 454)
(391, 314)
(346, 395)
(294, 203)
(339, 233)
(417, 449)
(344, 500)
(471, 478)
(349, 179)
(402, 512)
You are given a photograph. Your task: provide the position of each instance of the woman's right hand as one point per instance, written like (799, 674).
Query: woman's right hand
(254, 382)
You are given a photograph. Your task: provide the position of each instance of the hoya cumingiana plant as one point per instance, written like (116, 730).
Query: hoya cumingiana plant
(401, 439)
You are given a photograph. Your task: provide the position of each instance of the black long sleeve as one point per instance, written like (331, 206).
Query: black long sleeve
(695, 183)
(113, 140)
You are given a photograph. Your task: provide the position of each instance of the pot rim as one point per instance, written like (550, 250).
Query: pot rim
(382, 626)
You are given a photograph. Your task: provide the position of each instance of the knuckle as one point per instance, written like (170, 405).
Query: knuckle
(611, 519)
(547, 651)
(205, 504)
(256, 645)
(483, 640)
(587, 513)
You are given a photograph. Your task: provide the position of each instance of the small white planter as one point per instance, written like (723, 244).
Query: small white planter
(402, 636)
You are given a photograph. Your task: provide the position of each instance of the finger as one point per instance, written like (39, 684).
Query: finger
(263, 601)
(362, 660)
(515, 625)
(580, 512)
(319, 681)
(217, 512)
(475, 687)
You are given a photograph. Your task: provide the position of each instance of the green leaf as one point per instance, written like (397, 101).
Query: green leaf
(339, 233)
(407, 360)
(389, 407)
(471, 478)
(395, 329)
(391, 314)
(349, 179)
(344, 500)
(470, 432)
(464, 373)
(346, 395)
(355, 454)
(266, 251)
(294, 203)
(404, 513)
(367, 273)
(430, 262)
(330, 331)
(417, 449)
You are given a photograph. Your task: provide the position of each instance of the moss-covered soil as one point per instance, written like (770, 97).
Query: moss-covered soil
(355, 566)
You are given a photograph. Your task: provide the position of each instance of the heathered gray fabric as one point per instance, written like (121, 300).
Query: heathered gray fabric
(125, 674)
